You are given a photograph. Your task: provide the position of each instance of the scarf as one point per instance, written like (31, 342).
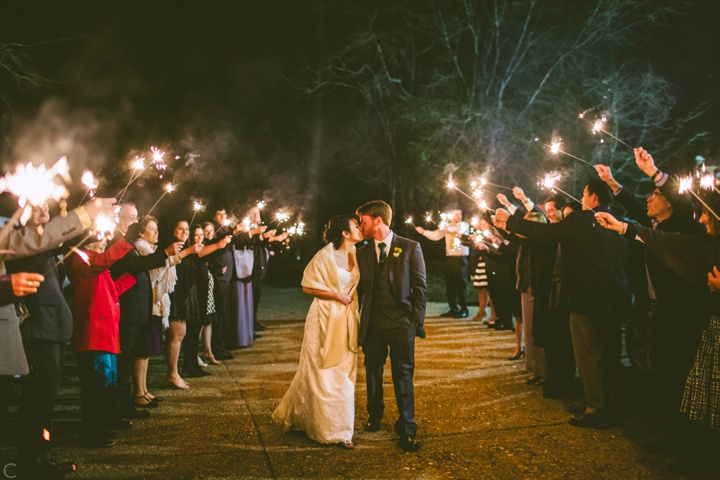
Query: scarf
(338, 323)
(162, 281)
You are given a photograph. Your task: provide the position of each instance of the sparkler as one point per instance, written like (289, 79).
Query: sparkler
(33, 186)
(297, 229)
(158, 161)
(686, 184)
(598, 127)
(88, 179)
(137, 166)
(169, 187)
(549, 181)
(197, 207)
(261, 204)
(555, 149)
(409, 221)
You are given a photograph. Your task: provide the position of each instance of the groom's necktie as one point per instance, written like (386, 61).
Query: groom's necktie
(383, 255)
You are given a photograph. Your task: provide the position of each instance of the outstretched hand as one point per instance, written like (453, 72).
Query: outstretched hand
(503, 199)
(420, 230)
(606, 220)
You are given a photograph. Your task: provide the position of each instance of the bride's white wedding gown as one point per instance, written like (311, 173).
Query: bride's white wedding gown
(321, 401)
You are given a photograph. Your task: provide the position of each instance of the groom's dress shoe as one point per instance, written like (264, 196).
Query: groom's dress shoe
(449, 314)
(409, 444)
(372, 426)
(462, 314)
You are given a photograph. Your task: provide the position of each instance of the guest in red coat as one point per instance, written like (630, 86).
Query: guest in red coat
(96, 335)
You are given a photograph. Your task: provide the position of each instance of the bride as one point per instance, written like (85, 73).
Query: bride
(321, 397)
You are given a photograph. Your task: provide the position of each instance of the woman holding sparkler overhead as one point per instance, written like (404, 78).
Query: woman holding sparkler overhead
(321, 397)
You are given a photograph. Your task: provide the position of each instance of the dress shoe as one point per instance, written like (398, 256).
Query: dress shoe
(96, 441)
(517, 357)
(575, 408)
(259, 327)
(462, 314)
(256, 336)
(371, 426)
(597, 422)
(449, 314)
(409, 444)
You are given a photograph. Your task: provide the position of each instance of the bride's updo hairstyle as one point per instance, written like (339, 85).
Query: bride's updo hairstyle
(336, 226)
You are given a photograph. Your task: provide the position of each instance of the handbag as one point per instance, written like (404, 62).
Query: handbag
(244, 261)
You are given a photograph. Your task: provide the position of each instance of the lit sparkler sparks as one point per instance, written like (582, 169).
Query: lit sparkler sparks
(84, 256)
(555, 149)
(297, 229)
(197, 207)
(549, 181)
(247, 224)
(158, 161)
(686, 184)
(281, 217)
(104, 227)
(707, 181)
(598, 126)
(409, 221)
(261, 204)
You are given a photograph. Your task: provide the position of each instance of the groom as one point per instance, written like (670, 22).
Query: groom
(392, 292)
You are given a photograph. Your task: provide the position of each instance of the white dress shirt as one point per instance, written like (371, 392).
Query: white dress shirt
(387, 241)
(453, 247)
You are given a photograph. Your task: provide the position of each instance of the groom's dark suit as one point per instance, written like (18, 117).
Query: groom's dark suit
(393, 295)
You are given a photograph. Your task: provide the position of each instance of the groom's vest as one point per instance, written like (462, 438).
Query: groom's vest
(383, 301)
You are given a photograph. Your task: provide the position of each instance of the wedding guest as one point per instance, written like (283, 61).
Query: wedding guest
(162, 283)
(135, 303)
(481, 279)
(45, 333)
(672, 296)
(207, 294)
(96, 336)
(595, 277)
(558, 341)
(456, 262)
(221, 269)
(184, 309)
(534, 266)
(40, 385)
(695, 258)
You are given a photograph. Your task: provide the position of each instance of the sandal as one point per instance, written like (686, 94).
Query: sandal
(180, 386)
(149, 404)
(211, 359)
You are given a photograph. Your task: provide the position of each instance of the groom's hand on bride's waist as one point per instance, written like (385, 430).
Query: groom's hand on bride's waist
(420, 331)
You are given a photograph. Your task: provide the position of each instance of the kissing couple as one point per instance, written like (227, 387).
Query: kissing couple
(372, 298)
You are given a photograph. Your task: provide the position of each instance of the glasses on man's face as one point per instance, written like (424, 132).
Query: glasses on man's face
(134, 218)
(657, 193)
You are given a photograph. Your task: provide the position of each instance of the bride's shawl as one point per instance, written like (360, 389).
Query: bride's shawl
(338, 323)
(162, 280)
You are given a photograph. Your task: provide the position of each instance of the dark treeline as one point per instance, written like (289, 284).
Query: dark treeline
(318, 106)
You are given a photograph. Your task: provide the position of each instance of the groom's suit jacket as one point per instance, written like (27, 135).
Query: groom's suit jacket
(406, 270)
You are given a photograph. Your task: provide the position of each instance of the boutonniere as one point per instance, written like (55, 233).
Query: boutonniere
(397, 251)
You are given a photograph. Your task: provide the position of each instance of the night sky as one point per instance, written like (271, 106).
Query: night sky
(218, 83)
